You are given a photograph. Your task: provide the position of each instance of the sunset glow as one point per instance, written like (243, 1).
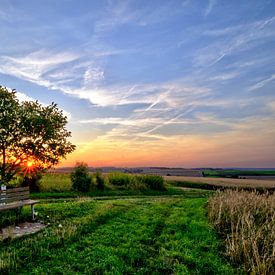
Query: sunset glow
(150, 83)
(30, 164)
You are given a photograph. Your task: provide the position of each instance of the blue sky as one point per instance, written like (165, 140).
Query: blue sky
(169, 83)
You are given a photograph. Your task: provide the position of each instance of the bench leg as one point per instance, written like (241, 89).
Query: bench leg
(32, 206)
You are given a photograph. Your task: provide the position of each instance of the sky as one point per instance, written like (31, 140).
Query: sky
(149, 83)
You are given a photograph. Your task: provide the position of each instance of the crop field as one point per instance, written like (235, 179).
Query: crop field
(236, 173)
(246, 220)
(150, 235)
(217, 183)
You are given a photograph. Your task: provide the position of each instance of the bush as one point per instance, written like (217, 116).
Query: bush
(80, 177)
(246, 220)
(119, 179)
(153, 182)
(99, 180)
(136, 182)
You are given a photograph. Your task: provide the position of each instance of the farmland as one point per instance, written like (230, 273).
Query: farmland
(232, 173)
(222, 183)
(129, 229)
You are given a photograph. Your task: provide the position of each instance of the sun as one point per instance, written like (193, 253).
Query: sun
(30, 163)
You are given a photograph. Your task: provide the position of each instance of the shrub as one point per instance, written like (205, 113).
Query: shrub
(136, 183)
(247, 222)
(100, 182)
(153, 182)
(119, 179)
(80, 177)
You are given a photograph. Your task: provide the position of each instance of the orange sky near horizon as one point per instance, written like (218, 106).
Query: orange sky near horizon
(247, 146)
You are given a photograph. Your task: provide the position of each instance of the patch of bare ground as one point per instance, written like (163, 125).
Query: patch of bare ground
(19, 230)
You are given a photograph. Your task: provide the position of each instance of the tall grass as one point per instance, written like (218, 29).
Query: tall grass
(55, 183)
(247, 222)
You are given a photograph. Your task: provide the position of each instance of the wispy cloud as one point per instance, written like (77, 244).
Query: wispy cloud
(261, 83)
(34, 66)
(247, 36)
(225, 76)
(210, 6)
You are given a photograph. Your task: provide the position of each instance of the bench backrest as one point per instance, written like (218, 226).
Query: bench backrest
(14, 194)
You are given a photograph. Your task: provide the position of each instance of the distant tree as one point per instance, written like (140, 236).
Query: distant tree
(100, 182)
(80, 177)
(32, 137)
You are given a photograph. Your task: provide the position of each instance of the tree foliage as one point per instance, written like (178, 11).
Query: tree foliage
(81, 179)
(30, 133)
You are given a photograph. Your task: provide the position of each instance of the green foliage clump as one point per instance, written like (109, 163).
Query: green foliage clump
(153, 182)
(119, 179)
(80, 177)
(99, 180)
(136, 182)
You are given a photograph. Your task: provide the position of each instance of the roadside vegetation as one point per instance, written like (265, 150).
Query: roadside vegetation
(246, 221)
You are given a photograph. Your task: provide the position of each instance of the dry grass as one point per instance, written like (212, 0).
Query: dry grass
(247, 221)
(224, 182)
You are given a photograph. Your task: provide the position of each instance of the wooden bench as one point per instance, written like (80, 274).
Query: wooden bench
(16, 198)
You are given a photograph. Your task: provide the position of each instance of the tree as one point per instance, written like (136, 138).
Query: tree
(80, 177)
(33, 137)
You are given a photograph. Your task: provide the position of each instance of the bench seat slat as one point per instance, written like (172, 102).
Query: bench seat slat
(9, 200)
(12, 195)
(17, 204)
(16, 190)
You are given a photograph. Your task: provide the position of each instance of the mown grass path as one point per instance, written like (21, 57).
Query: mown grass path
(157, 235)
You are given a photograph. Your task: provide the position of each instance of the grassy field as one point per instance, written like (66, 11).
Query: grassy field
(135, 235)
(125, 229)
(55, 182)
(221, 183)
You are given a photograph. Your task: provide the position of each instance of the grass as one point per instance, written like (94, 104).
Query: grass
(55, 183)
(246, 220)
(134, 235)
